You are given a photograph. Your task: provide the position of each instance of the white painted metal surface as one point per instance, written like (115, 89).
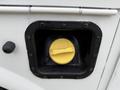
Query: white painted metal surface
(111, 76)
(73, 10)
(98, 12)
(13, 28)
(15, 19)
(115, 80)
(75, 3)
(13, 81)
(55, 10)
(111, 61)
(13, 9)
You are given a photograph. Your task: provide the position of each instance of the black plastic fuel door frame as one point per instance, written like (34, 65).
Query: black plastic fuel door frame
(90, 35)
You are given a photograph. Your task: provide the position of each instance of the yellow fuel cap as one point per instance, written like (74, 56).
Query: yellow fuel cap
(62, 51)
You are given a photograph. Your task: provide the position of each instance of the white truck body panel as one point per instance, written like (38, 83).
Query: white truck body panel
(74, 3)
(16, 16)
